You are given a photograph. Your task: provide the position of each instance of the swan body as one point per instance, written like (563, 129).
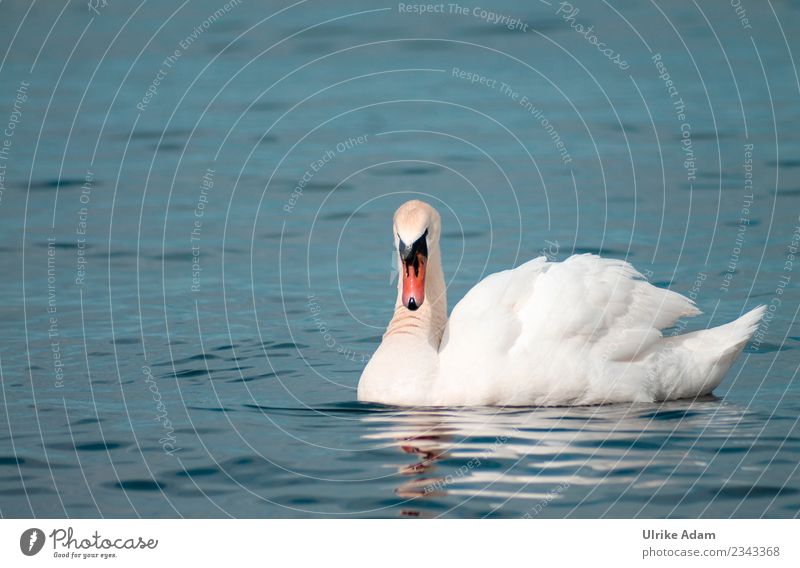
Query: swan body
(584, 331)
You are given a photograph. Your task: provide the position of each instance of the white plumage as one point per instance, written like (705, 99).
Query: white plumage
(583, 331)
(587, 330)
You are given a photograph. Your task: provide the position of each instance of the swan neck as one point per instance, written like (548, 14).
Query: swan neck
(429, 320)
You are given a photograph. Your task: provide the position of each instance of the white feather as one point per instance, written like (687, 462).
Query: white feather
(583, 331)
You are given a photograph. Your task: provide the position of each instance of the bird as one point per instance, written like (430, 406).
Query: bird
(584, 331)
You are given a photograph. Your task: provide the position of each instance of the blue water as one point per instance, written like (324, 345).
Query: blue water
(182, 330)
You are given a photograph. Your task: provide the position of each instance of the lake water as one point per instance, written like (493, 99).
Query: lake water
(196, 204)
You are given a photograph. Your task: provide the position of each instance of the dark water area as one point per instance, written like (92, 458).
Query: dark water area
(195, 206)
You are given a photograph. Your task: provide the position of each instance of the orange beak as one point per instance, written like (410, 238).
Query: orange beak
(414, 281)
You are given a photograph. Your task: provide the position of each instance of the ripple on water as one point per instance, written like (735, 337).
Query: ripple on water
(59, 183)
(785, 163)
(198, 472)
(670, 414)
(751, 491)
(28, 463)
(96, 446)
(137, 485)
(605, 251)
(402, 171)
(342, 216)
(157, 134)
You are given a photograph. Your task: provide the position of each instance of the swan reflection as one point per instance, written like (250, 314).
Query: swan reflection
(546, 454)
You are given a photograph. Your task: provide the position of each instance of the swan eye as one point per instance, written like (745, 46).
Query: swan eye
(407, 252)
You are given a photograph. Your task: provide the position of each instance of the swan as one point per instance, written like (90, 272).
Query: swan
(584, 331)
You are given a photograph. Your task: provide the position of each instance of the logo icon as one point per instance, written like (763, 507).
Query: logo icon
(31, 542)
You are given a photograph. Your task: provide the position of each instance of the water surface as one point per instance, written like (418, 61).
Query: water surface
(198, 253)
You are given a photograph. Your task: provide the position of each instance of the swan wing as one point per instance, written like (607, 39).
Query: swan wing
(581, 331)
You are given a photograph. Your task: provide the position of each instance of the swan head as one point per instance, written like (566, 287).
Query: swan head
(416, 232)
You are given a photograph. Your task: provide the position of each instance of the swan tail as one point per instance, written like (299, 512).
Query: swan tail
(700, 359)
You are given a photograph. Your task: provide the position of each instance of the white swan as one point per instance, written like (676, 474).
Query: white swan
(583, 331)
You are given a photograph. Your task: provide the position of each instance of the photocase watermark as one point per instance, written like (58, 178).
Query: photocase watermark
(81, 228)
(523, 101)
(53, 333)
(689, 161)
(96, 5)
(168, 441)
(463, 471)
(328, 339)
(494, 18)
(569, 14)
(744, 218)
(31, 542)
(741, 13)
(183, 45)
(551, 496)
(95, 545)
(14, 118)
(631, 320)
(663, 355)
(316, 166)
(783, 282)
(440, 485)
(550, 250)
(206, 185)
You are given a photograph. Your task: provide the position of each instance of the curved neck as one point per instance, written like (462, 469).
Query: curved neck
(429, 320)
